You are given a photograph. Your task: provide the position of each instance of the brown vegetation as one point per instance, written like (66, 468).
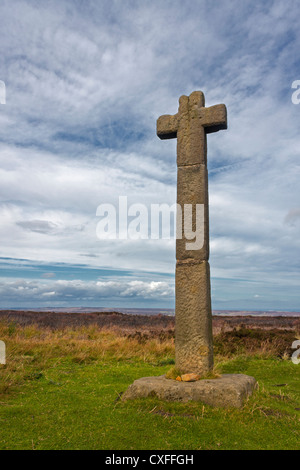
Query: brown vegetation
(36, 341)
(112, 320)
(143, 326)
(275, 342)
(232, 335)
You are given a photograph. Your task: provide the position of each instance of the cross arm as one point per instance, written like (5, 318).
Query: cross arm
(167, 126)
(214, 118)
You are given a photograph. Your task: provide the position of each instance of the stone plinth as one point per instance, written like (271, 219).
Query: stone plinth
(229, 390)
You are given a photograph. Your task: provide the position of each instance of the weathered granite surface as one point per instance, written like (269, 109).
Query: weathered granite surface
(193, 319)
(230, 390)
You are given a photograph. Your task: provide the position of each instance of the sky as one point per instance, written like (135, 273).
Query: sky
(85, 83)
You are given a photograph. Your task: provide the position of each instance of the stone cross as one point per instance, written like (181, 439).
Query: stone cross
(193, 318)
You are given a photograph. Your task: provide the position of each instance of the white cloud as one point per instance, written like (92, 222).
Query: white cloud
(85, 85)
(62, 292)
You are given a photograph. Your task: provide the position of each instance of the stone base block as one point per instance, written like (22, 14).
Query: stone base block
(229, 390)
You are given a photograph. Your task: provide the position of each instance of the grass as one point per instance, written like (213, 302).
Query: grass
(61, 390)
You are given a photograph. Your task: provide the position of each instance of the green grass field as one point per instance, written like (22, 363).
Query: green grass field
(61, 390)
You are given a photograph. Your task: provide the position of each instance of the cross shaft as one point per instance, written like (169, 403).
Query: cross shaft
(193, 332)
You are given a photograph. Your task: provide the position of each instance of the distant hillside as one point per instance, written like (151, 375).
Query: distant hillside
(158, 311)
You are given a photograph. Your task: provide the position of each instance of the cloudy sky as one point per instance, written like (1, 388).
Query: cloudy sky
(85, 82)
